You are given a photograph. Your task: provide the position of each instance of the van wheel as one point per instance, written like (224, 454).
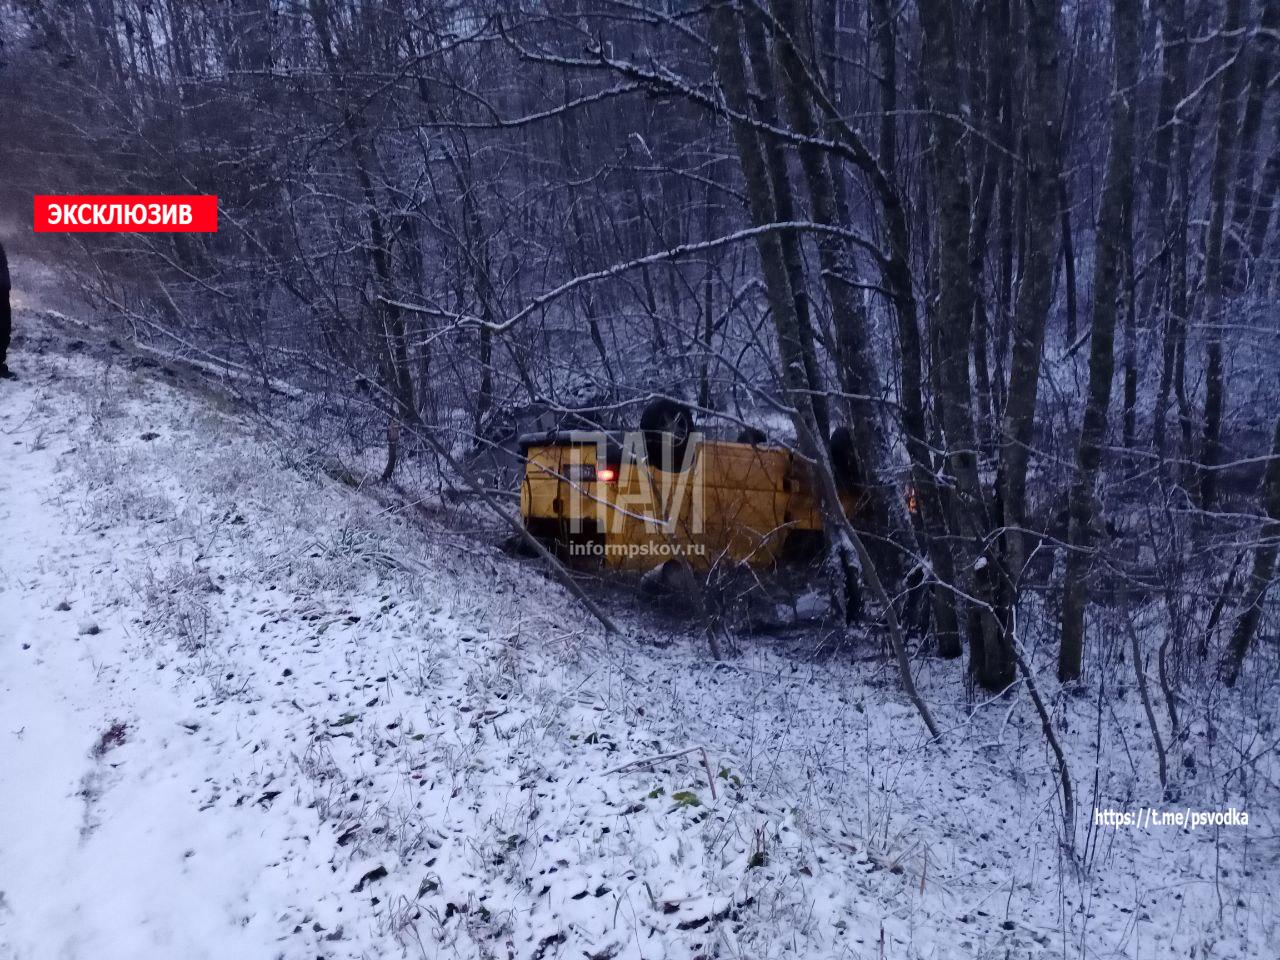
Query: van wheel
(845, 464)
(516, 545)
(669, 582)
(667, 426)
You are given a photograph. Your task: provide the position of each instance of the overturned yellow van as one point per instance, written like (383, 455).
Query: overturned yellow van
(636, 500)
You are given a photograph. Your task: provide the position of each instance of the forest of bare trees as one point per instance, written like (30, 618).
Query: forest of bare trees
(1026, 254)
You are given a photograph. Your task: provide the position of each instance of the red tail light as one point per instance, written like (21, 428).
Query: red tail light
(606, 474)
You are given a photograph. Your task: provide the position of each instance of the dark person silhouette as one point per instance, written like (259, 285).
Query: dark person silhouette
(6, 316)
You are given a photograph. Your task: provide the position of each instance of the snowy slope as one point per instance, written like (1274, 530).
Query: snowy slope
(247, 712)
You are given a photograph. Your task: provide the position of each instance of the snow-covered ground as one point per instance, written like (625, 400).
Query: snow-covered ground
(248, 712)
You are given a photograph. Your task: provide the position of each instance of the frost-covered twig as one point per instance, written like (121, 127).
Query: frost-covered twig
(650, 761)
(1046, 723)
(1141, 674)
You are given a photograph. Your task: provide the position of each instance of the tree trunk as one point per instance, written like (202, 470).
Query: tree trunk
(1113, 240)
(1069, 266)
(858, 366)
(987, 160)
(784, 209)
(1264, 566)
(708, 318)
(731, 70)
(847, 545)
(392, 346)
(1265, 199)
(896, 271)
(1173, 47)
(1236, 254)
(1035, 295)
(569, 150)
(1129, 406)
(1223, 166)
(991, 655)
(1160, 158)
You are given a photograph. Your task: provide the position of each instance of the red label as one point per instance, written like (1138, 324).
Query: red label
(126, 214)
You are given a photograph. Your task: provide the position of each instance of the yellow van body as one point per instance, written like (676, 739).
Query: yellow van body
(736, 503)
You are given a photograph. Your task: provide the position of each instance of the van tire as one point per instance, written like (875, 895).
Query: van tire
(516, 545)
(846, 467)
(666, 423)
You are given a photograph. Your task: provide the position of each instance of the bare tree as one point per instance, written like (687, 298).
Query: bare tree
(1114, 225)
